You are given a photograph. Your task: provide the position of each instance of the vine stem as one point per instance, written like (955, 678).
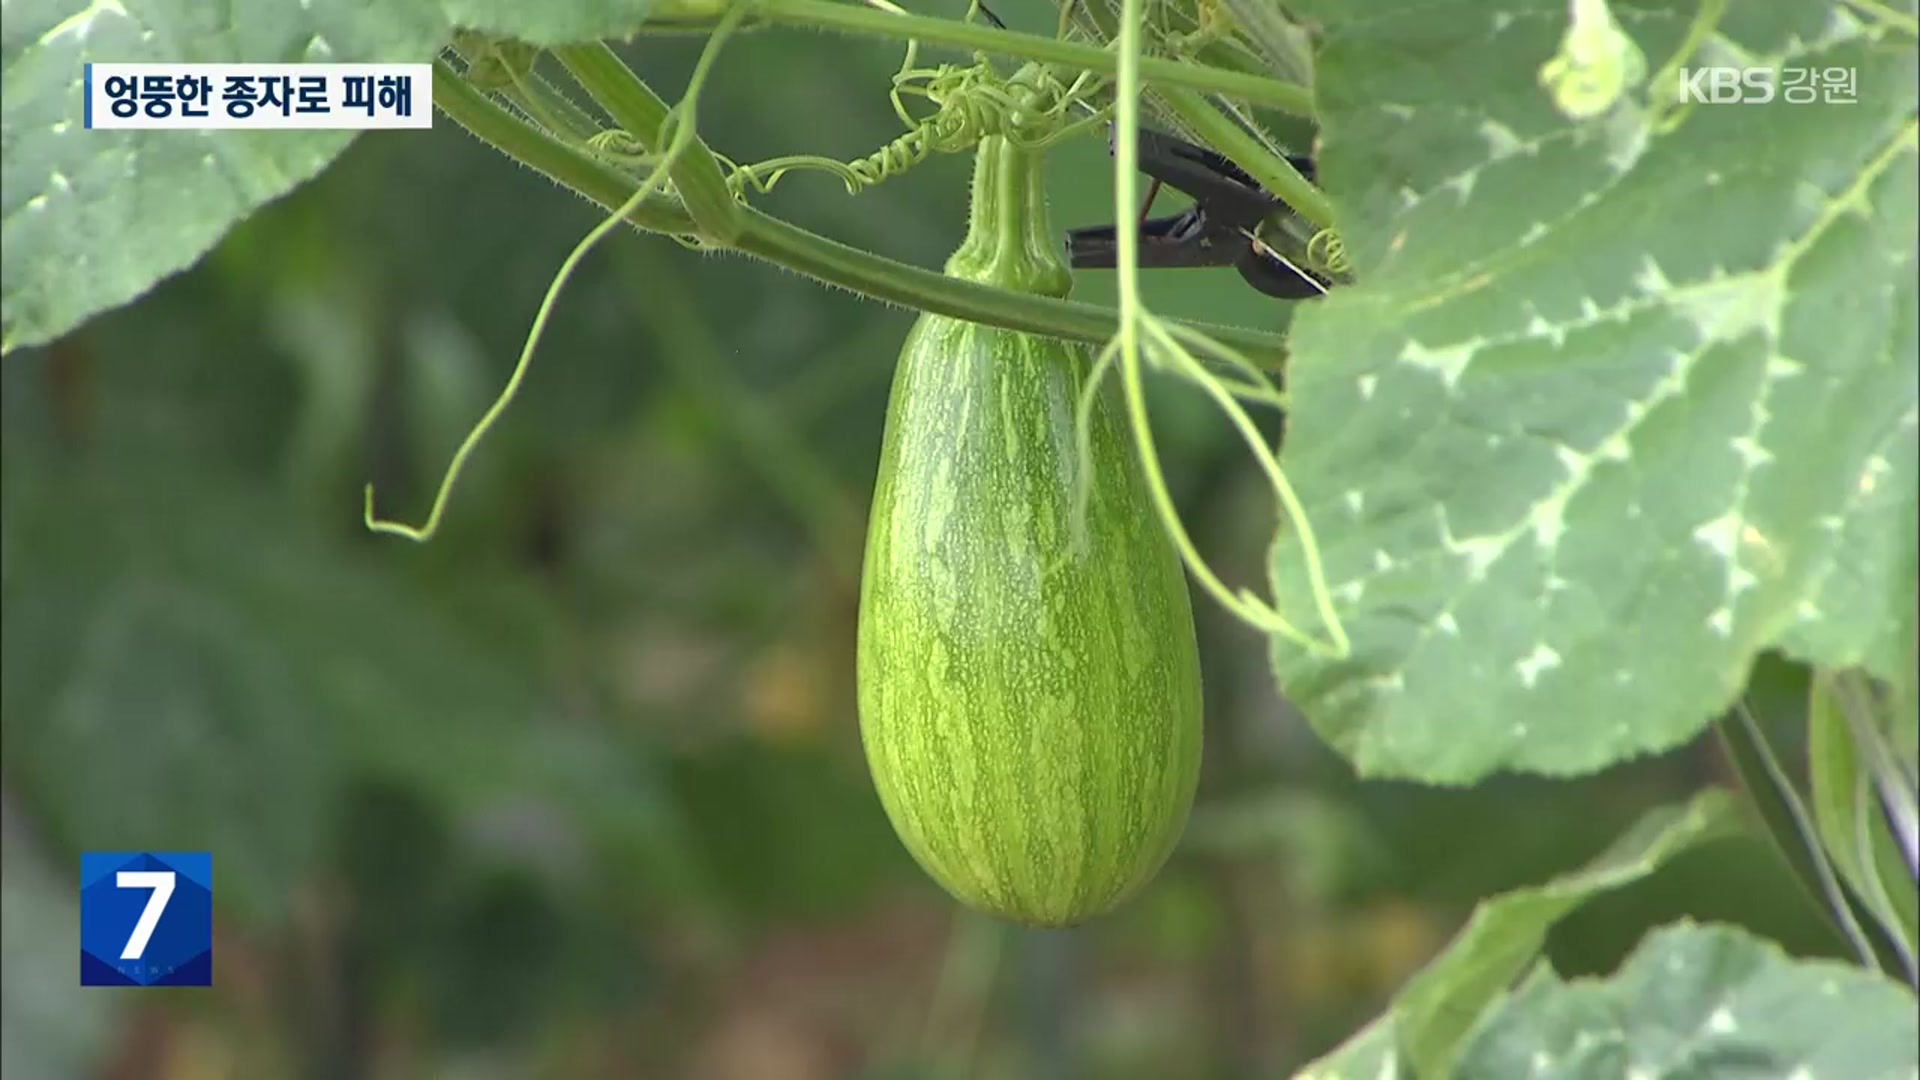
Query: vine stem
(769, 238)
(857, 19)
(1232, 140)
(1126, 351)
(696, 176)
(1126, 177)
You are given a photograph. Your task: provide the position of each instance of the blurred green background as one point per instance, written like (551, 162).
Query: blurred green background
(576, 789)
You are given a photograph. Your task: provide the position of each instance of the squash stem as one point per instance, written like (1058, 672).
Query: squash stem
(1009, 241)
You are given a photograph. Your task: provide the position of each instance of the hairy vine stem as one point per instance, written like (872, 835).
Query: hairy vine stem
(632, 104)
(567, 165)
(1227, 136)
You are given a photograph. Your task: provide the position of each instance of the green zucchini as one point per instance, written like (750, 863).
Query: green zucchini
(1029, 689)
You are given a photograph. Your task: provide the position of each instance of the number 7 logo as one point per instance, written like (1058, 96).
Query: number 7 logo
(146, 918)
(161, 882)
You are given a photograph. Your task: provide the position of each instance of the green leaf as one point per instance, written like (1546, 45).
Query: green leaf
(1438, 1006)
(1703, 1001)
(92, 219)
(1614, 407)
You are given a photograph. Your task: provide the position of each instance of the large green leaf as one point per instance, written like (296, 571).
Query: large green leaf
(1615, 406)
(91, 219)
(1703, 1001)
(1422, 1034)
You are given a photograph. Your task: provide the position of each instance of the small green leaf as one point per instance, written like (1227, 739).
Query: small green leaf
(92, 219)
(1615, 404)
(1437, 1008)
(1703, 1001)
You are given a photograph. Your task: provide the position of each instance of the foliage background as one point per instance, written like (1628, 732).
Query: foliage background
(576, 790)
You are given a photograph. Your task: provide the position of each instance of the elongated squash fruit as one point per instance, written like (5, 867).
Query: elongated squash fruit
(1029, 690)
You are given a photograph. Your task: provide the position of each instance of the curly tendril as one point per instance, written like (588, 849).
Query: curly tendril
(616, 142)
(1030, 109)
(1328, 251)
(619, 147)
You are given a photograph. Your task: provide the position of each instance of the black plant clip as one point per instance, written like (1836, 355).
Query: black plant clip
(1221, 228)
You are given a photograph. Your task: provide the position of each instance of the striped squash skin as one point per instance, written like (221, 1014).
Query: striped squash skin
(1029, 695)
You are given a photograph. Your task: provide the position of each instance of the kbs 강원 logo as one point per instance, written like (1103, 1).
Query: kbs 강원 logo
(146, 918)
(1761, 85)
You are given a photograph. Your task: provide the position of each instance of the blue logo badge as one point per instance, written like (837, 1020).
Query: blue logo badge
(146, 918)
